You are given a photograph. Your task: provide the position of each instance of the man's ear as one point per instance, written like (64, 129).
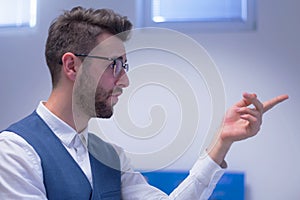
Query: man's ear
(70, 65)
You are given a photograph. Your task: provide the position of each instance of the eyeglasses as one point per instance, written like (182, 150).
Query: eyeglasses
(117, 63)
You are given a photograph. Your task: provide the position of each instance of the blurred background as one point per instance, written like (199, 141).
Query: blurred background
(263, 59)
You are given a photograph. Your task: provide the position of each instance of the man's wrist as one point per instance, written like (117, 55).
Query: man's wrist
(219, 150)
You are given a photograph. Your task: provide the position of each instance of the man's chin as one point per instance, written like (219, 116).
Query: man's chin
(105, 114)
(104, 110)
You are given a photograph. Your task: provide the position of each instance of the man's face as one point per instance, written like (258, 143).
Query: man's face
(97, 87)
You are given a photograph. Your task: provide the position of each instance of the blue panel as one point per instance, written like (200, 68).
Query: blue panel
(230, 186)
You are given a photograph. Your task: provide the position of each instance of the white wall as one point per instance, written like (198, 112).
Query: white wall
(265, 61)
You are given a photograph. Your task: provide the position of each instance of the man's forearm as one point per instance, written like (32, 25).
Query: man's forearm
(218, 151)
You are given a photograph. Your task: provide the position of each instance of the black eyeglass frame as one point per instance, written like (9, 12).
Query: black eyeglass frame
(125, 65)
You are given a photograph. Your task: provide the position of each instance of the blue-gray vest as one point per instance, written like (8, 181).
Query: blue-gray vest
(63, 178)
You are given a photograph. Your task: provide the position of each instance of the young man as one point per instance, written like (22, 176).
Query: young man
(50, 155)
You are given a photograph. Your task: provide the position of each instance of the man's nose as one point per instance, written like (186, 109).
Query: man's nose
(123, 80)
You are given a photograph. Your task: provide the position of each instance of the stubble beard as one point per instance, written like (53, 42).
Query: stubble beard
(103, 108)
(99, 106)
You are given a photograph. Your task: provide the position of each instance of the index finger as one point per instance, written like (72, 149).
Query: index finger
(272, 102)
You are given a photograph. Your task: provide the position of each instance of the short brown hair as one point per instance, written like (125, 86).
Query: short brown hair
(77, 30)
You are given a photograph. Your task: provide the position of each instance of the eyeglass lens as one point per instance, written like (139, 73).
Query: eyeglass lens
(118, 66)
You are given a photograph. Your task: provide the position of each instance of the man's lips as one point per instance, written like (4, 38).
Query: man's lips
(116, 93)
(114, 97)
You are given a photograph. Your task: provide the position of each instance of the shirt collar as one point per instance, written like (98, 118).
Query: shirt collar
(61, 129)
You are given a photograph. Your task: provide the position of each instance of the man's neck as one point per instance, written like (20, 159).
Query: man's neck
(60, 104)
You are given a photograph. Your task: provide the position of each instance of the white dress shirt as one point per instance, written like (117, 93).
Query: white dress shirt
(21, 174)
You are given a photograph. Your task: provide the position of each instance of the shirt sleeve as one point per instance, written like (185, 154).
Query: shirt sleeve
(199, 184)
(21, 175)
(201, 181)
